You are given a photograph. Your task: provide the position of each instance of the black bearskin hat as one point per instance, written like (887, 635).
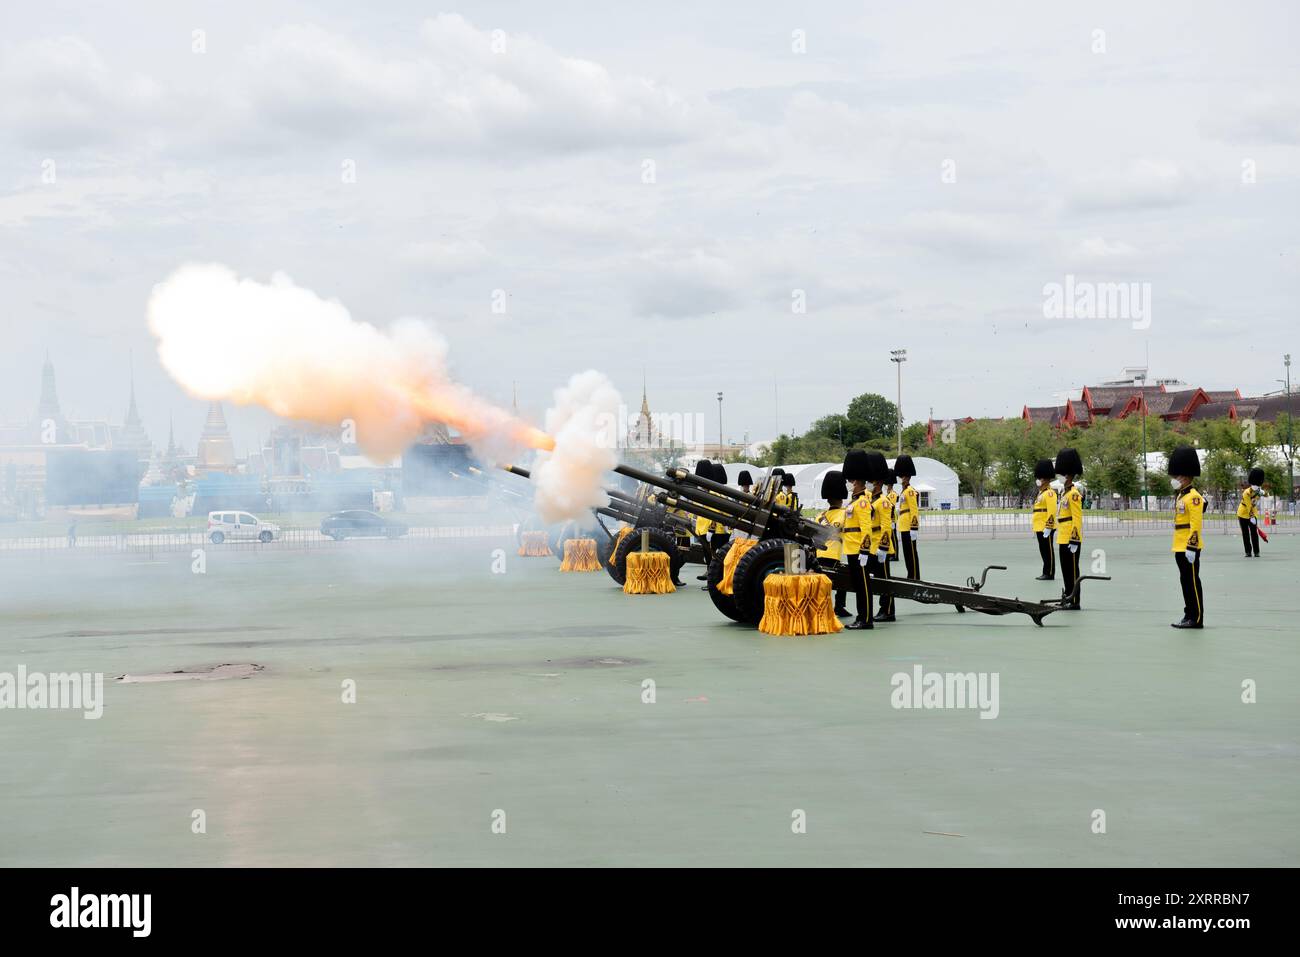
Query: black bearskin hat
(1256, 476)
(834, 487)
(903, 465)
(744, 478)
(1184, 461)
(719, 473)
(877, 466)
(1045, 470)
(890, 477)
(856, 466)
(704, 469)
(787, 480)
(1068, 462)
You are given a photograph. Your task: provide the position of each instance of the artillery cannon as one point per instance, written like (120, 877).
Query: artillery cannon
(776, 527)
(667, 531)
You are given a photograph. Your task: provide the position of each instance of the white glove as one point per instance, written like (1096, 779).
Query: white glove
(1073, 549)
(864, 559)
(1254, 521)
(882, 554)
(1047, 533)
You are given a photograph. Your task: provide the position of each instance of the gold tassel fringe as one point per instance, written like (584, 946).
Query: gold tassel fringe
(534, 545)
(580, 556)
(618, 540)
(798, 605)
(648, 573)
(734, 554)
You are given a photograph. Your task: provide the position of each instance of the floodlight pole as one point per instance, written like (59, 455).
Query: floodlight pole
(1290, 439)
(898, 357)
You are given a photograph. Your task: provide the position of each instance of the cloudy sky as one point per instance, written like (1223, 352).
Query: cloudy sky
(646, 186)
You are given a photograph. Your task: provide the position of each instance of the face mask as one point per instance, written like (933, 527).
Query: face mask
(1256, 489)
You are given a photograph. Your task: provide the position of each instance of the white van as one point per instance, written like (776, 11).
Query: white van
(239, 526)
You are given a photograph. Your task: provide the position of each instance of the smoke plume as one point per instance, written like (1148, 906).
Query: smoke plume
(283, 347)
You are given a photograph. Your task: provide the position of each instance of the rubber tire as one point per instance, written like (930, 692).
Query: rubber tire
(724, 603)
(604, 547)
(217, 538)
(661, 540)
(264, 537)
(755, 565)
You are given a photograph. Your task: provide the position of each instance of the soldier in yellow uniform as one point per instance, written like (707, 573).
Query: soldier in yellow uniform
(909, 515)
(720, 534)
(1069, 522)
(1044, 518)
(1189, 536)
(882, 529)
(834, 491)
(788, 496)
(1248, 512)
(857, 526)
(704, 469)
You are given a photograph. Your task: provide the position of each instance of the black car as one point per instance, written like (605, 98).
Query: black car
(357, 523)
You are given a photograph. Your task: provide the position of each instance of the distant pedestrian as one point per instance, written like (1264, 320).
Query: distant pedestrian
(72, 535)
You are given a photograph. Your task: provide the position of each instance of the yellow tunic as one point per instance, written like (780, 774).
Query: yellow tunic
(1045, 510)
(1069, 517)
(882, 524)
(1249, 507)
(909, 511)
(1188, 514)
(857, 518)
(833, 517)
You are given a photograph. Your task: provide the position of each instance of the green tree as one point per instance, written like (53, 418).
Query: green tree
(914, 437)
(870, 418)
(971, 455)
(1018, 448)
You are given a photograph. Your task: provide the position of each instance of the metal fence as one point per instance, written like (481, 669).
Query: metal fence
(934, 525)
(1095, 523)
(162, 540)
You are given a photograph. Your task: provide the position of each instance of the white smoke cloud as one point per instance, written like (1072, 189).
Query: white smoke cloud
(583, 422)
(283, 347)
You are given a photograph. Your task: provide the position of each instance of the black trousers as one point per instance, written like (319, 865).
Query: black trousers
(861, 590)
(910, 557)
(708, 549)
(1249, 536)
(879, 568)
(1189, 575)
(1047, 552)
(717, 540)
(1070, 568)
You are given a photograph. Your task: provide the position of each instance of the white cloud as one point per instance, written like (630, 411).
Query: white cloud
(445, 258)
(1268, 119)
(1142, 184)
(59, 93)
(455, 92)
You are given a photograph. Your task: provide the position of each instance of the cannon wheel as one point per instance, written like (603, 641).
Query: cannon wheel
(604, 546)
(724, 603)
(755, 565)
(661, 540)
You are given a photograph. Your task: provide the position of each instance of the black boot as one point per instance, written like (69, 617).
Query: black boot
(842, 612)
(857, 624)
(1185, 623)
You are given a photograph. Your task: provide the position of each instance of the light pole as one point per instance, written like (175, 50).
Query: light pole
(1291, 445)
(1142, 398)
(898, 357)
(720, 425)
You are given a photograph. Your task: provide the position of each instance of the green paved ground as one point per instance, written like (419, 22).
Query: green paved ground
(1109, 709)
